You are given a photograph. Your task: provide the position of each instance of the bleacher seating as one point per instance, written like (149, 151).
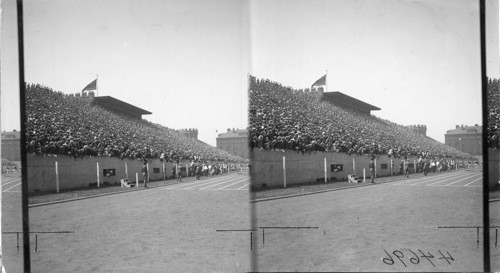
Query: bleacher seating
(58, 124)
(282, 118)
(493, 108)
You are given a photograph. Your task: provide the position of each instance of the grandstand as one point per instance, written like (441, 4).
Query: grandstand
(493, 108)
(493, 132)
(284, 118)
(102, 129)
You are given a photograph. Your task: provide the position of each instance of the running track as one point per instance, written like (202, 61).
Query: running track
(355, 227)
(226, 183)
(11, 184)
(11, 221)
(162, 229)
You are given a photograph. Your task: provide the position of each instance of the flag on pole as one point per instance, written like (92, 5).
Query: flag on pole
(320, 82)
(91, 86)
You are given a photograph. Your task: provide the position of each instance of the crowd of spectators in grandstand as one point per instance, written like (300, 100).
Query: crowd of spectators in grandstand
(59, 124)
(8, 166)
(493, 113)
(283, 118)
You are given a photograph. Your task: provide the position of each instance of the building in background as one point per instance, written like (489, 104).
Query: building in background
(418, 129)
(11, 145)
(466, 139)
(234, 141)
(190, 133)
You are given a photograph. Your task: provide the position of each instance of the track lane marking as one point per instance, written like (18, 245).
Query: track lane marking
(210, 182)
(469, 176)
(221, 183)
(10, 182)
(473, 181)
(243, 187)
(426, 178)
(448, 177)
(462, 179)
(179, 185)
(232, 184)
(12, 187)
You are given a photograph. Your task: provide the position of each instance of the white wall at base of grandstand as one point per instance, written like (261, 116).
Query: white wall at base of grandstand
(79, 173)
(267, 166)
(494, 168)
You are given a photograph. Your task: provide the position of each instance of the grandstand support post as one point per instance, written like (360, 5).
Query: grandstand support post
(57, 177)
(136, 180)
(126, 171)
(376, 167)
(364, 175)
(284, 172)
(326, 177)
(414, 166)
(391, 166)
(164, 174)
(98, 184)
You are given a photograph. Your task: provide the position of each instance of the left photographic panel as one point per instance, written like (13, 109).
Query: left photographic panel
(130, 165)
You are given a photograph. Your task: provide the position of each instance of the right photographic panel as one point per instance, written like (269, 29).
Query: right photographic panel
(366, 135)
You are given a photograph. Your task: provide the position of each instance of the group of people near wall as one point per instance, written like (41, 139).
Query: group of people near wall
(194, 168)
(282, 118)
(58, 124)
(493, 113)
(428, 165)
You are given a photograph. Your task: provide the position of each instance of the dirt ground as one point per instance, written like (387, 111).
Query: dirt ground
(11, 221)
(174, 229)
(155, 230)
(495, 221)
(356, 227)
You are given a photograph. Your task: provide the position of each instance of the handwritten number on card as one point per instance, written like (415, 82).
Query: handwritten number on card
(428, 257)
(415, 258)
(388, 259)
(446, 258)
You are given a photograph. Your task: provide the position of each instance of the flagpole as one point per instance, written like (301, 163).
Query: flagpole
(97, 85)
(326, 81)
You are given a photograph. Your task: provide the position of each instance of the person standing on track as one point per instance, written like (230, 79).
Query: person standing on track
(426, 167)
(198, 171)
(179, 176)
(407, 168)
(145, 173)
(372, 170)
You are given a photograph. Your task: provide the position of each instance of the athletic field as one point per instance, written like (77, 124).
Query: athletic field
(367, 228)
(495, 222)
(163, 229)
(11, 221)
(203, 226)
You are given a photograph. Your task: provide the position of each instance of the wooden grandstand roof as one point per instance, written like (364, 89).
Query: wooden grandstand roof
(342, 99)
(110, 102)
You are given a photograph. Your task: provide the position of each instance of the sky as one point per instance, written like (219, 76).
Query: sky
(184, 61)
(187, 61)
